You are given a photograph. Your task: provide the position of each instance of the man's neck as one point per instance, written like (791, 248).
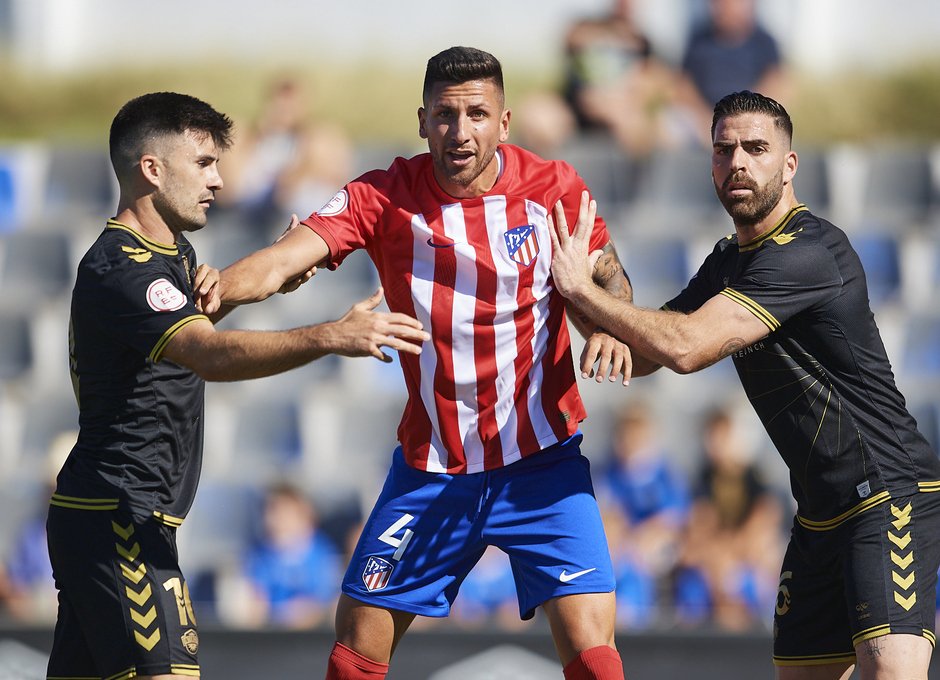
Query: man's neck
(751, 232)
(143, 218)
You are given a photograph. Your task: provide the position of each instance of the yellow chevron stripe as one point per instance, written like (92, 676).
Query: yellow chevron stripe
(148, 642)
(134, 574)
(139, 598)
(144, 620)
(902, 562)
(906, 602)
(906, 582)
(900, 541)
(129, 555)
(123, 533)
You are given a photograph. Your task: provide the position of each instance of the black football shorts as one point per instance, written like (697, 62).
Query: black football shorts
(124, 608)
(872, 574)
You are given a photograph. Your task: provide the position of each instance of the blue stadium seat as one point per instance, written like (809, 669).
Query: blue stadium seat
(880, 257)
(657, 267)
(922, 348)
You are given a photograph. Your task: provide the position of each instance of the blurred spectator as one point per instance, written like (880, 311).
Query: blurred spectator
(645, 503)
(731, 553)
(289, 579)
(27, 588)
(637, 588)
(729, 53)
(284, 162)
(612, 84)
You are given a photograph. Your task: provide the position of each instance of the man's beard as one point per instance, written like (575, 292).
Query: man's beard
(752, 209)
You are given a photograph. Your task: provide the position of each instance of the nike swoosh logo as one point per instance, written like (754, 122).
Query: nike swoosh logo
(441, 245)
(565, 576)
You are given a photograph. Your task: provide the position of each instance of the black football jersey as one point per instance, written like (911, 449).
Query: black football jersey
(821, 381)
(140, 416)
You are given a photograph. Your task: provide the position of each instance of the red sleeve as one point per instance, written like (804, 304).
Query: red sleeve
(348, 221)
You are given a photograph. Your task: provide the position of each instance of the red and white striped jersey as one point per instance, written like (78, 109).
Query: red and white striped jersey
(496, 382)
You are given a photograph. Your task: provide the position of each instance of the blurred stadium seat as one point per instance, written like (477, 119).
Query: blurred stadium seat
(657, 267)
(880, 258)
(80, 181)
(898, 187)
(36, 265)
(16, 354)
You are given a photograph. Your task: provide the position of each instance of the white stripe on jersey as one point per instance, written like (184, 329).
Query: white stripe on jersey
(422, 291)
(507, 272)
(538, 216)
(463, 316)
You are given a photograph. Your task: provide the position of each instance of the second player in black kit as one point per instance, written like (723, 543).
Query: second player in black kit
(822, 385)
(786, 298)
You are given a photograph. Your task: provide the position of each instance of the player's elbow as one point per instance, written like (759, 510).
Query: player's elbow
(685, 359)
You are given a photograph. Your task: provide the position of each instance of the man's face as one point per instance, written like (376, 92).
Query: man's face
(750, 166)
(463, 125)
(190, 180)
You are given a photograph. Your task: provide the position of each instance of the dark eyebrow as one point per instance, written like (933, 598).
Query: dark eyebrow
(746, 142)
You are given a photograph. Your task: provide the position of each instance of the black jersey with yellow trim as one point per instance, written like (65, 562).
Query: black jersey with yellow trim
(140, 416)
(821, 381)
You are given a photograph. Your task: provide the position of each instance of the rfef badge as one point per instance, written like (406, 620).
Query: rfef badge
(522, 244)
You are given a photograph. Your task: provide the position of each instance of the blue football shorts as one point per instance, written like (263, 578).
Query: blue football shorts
(427, 531)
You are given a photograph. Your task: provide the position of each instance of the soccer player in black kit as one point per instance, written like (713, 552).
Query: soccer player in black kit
(786, 298)
(142, 342)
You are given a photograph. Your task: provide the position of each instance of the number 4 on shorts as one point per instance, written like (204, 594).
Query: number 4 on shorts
(388, 536)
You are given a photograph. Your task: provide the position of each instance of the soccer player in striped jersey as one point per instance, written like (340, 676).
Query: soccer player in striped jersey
(141, 344)
(489, 450)
(785, 296)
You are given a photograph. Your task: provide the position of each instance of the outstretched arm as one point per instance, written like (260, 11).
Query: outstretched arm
(280, 267)
(241, 355)
(681, 342)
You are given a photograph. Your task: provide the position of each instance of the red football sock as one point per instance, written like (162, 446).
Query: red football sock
(597, 663)
(345, 664)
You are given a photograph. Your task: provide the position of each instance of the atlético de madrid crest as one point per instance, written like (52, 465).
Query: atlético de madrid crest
(522, 244)
(376, 574)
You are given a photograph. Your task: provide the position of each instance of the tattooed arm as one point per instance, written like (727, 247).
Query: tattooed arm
(612, 356)
(681, 342)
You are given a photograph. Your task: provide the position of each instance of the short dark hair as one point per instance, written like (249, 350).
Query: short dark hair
(162, 113)
(746, 101)
(458, 65)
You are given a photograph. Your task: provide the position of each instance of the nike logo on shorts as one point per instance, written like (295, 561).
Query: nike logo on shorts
(565, 576)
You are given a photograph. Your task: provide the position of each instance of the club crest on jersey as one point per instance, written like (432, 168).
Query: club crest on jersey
(336, 205)
(522, 244)
(190, 641)
(163, 296)
(376, 574)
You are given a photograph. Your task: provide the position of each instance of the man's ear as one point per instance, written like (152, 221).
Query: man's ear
(422, 124)
(151, 169)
